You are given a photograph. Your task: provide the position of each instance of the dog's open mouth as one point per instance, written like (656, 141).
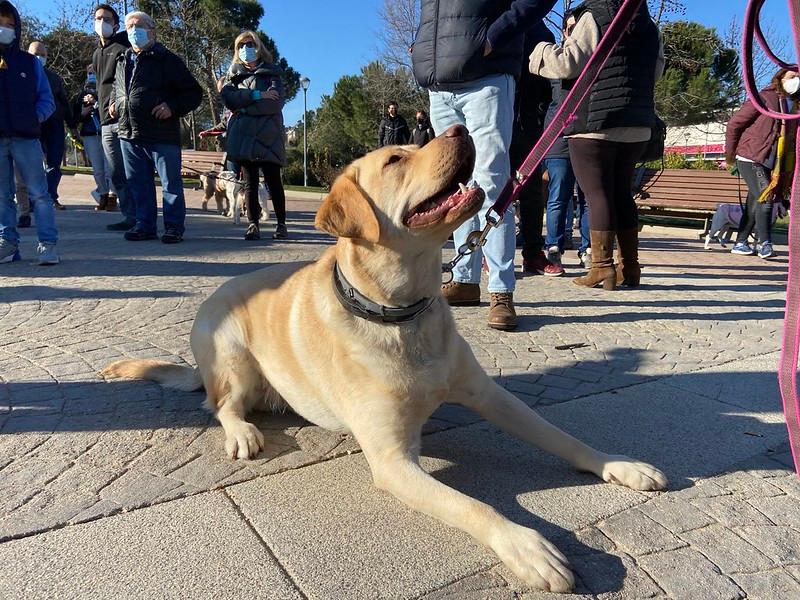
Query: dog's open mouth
(454, 198)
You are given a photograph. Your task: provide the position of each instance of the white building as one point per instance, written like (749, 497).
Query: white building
(705, 140)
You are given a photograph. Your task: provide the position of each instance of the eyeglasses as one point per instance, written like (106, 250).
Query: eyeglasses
(248, 45)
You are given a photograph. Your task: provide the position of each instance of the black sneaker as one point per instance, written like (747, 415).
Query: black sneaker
(125, 225)
(24, 221)
(253, 232)
(58, 205)
(137, 235)
(281, 233)
(172, 236)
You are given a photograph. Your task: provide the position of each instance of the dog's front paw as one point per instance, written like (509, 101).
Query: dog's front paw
(243, 440)
(533, 559)
(633, 474)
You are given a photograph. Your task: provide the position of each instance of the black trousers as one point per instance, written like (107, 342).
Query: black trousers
(531, 199)
(756, 214)
(604, 171)
(272, 177)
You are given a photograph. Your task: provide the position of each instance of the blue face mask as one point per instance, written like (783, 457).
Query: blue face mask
(138, 37)
(42, 59)
(91, 79)
(7, 35)
(247, 54)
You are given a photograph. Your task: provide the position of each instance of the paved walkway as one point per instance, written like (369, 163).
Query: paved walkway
(122, 489)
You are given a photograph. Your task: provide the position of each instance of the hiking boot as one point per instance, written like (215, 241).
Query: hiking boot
(253, 232)
(281, 233)
(766, 251)
(47, 254)
(629, 271)
(58, 206)
(462, 294)
(124, 225)
(137, 235)
(111, 204)
(502, 315)
(602, 271)
(171, 236)
(24, 221)
(8, 252)
(743, 249)
(541, 266)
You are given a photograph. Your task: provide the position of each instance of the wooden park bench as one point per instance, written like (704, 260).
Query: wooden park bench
(196, 162)
(686, 193)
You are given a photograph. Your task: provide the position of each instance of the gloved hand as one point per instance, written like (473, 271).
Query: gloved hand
(733, 169)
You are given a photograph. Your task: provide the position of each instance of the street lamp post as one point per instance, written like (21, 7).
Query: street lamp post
(305, 81)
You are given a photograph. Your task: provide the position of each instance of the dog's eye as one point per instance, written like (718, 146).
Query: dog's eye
(393, 159)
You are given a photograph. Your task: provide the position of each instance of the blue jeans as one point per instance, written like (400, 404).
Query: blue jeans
(141, 158)
(116, 164)
(583, 221)
(97, 159)
(52, 139)
(560, 190)
(486, 108)
(26, 154)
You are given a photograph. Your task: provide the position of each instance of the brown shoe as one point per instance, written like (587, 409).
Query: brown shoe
(629, 271)
(462, 294)
(602, 274)
(501, 312)
(111, 205)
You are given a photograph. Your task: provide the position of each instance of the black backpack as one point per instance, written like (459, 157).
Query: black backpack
(655, 146)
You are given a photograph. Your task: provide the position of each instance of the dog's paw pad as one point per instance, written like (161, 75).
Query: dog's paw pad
(533, 559)
(633, 474)
(244, 441)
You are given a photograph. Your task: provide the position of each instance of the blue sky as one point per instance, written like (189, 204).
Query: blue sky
(326, 39)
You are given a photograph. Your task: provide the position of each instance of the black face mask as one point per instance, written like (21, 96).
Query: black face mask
(421, 121)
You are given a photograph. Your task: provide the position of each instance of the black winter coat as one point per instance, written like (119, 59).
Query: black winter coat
(159, 76)
(449, 45)
(255, 131)
(63, 112)
(104, 62)
(87, 125)
(393, 131)
(422, 134)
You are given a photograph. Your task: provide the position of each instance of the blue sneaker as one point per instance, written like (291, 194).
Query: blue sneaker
(8, 252)
(766, 251)
(743, 248)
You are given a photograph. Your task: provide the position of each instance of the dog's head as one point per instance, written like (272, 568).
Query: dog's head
(405, 194)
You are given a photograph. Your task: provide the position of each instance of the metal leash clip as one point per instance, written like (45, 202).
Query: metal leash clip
(475, 240)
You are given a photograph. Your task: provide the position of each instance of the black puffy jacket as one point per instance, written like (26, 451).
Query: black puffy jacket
(449, 45)
(159, 76)
(63, 110)
(104, 62)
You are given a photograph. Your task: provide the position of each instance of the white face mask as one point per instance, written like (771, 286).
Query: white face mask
(103, 29)
(790, 86)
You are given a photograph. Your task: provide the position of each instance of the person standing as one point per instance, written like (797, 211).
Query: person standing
(25, 103)
(113, 43)
(611, 128)
(468, 54)
(255, 136)
(753, 143)
(393, 129)
(153, 89)
(53, 129)
(423, 132)
(86, 114)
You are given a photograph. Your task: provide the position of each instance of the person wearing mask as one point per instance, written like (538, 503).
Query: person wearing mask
(113, 43)
(762, 148)
(149, 107)
(423, 132)
(53, 131)
(85, 110)
(25, 103)
(393, 129)
(255, 136)
(468, 55)
(611, 129)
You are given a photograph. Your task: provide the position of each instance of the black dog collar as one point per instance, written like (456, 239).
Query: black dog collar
(364, 308)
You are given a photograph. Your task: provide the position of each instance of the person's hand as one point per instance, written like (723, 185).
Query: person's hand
(733, 169)
(487, 48)
(270, 95)
(89, 99)
(75, 133)
(162, 111)
(112, 110)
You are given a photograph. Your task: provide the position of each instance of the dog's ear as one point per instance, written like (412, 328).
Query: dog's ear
(348, 212)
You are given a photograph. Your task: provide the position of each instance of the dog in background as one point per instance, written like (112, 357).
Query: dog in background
(726, 220)
(230, 194)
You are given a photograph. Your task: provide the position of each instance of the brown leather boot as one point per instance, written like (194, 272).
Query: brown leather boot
(502, 315)
(602, 271)
(103, 203)
(462, 294)
(111, 206)
(629, 272)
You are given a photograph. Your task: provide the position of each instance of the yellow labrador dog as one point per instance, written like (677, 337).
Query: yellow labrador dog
(362, 341)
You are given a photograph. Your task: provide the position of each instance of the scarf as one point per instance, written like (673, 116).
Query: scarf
(780, 184)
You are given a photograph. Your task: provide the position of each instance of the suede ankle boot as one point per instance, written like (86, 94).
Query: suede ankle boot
(629, 271)
(602, 271)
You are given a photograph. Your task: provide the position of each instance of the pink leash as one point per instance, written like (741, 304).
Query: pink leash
(790, 351)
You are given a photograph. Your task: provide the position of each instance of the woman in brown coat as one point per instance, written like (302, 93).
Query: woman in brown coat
(751, 143)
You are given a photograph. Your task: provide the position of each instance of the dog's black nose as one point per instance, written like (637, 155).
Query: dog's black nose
(456, 131)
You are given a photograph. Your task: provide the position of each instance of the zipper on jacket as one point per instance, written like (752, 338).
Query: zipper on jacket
(435, 44)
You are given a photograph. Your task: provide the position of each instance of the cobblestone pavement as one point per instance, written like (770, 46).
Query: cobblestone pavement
(123, 487)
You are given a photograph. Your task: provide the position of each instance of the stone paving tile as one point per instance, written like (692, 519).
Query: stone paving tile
(727, 550)
(638, 534)
(768, 586)
(685, 574)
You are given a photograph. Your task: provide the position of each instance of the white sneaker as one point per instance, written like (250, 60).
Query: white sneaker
(554, 255)
(586, 258)
(8, 252)
(47, 254)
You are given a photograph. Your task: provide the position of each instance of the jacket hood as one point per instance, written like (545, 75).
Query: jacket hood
(121, 37)
(18, 22)
(262, 69)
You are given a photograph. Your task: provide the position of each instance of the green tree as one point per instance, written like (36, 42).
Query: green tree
(701, 81)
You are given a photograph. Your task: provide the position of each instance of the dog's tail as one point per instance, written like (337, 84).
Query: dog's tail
(167, 374)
